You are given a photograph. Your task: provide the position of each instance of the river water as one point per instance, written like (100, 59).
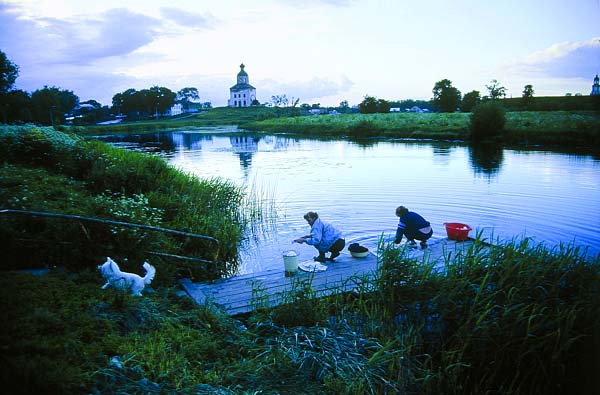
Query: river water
(550, 197)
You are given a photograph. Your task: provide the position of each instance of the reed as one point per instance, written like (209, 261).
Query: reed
(511, 318)
(48, 170)
(564, 128)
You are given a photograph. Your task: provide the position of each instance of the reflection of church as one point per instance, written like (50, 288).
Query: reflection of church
(241, 94)
(595, 87)
(244, 147)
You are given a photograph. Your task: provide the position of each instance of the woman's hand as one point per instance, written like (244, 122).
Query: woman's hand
(300, 240)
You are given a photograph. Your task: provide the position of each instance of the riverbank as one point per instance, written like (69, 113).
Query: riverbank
(569, 129)
(47, 170)
(514, 319)
(552, 128)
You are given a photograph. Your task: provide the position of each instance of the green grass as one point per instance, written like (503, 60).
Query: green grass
(47, 170)
(515, 318)
(512, 318)
(213, 117)
(550, 128)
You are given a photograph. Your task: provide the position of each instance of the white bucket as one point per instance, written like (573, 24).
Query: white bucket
(290, 262)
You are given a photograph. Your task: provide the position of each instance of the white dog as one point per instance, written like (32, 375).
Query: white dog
(123, 280)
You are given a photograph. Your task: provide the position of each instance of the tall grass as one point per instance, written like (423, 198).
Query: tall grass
(47, 170)
(514, 318)
(572, 129)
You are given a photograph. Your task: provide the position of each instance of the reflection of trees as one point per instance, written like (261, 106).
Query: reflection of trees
(486, 159)
(189, 141)
(363, 142)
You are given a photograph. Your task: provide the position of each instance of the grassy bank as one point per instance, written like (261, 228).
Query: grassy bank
(46, 170)
(552, 128)
(547, 128)
(517, 319)
(221, 116)
(513, 319)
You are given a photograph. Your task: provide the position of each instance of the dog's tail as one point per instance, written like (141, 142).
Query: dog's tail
(150, 272)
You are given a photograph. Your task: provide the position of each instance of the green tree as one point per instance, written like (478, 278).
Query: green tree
(496, 90)
(368, 105)
(186, 96)
(383, 106)
(527, 95)
(528, 91)
(161, 99)
(15, 107)
(344, 107)
(49, 104)
(446, 98)
(470, 100)
(117, 103)
(8, 73)
(487, 121)
(280, 100)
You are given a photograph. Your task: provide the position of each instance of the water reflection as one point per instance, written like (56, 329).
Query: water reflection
(244, 146)
(486, 159)
(549, 196)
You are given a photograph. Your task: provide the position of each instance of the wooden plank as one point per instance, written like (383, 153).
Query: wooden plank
(242, 294)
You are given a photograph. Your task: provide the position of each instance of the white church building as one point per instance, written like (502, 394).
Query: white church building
(241, 94)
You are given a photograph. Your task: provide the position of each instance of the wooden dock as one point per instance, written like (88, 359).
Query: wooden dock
(245, 293)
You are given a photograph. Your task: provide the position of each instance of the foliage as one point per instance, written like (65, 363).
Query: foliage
(446, 98)
(557, 128)
(47, 170)
(372, 105)
(403, 105)
(510, 318)
(9, 72)
(186, 96)
(470, 100)
(146, 102)
(528, 91)
(496, 90)
(49, 104)
(553, 103)
(15, 106)
(487, 121)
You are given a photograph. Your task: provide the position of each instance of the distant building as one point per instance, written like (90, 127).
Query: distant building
(175, 109)
(241, 94)
(595, 87)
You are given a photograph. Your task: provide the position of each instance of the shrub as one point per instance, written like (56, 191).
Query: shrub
(487, 121)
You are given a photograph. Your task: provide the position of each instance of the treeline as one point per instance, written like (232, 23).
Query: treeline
(553, 103)
(55, 106)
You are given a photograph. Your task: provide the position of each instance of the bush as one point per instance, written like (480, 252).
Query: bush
(487, 121)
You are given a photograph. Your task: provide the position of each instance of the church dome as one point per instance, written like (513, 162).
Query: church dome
(242, 73)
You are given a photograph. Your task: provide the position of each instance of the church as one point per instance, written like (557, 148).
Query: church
(595, 87)
(241, 94)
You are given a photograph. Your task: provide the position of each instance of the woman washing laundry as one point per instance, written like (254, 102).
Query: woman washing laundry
(413, 226)
(323, 236)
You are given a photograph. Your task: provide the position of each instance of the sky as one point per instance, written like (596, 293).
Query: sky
(317, 51)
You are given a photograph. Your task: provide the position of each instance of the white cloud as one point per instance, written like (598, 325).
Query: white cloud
(189, 19)
(307, 91)
(562, 60)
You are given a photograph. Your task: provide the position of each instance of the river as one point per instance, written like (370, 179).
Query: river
(551, 197)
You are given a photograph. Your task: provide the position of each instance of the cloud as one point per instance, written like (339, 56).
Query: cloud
(79, 40)
(189, 19)
(316, 3)
(307, 91)
(562, 60)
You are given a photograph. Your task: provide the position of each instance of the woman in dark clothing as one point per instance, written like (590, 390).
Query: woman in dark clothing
(413, 226)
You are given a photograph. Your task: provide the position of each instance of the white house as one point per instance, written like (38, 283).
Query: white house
(241, 94)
